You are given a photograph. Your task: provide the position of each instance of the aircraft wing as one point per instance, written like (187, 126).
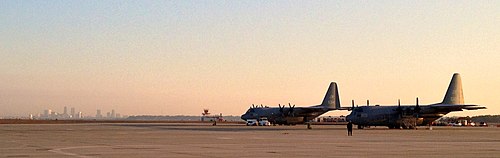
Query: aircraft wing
(329, 109)
(313, 111)
(309, 111)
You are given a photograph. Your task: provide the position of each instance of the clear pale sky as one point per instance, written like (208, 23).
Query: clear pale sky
(178, 57)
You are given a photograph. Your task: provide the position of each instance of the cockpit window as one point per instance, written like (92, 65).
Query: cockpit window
(251, 110)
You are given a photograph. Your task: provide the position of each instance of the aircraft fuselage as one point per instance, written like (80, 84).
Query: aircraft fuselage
(295, 115)
(391, 117)
(287, 115)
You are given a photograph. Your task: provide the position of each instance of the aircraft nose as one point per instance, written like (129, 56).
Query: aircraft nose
(244, 117)
(348, 118)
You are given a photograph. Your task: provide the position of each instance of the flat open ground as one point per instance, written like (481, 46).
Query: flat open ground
(232, 140)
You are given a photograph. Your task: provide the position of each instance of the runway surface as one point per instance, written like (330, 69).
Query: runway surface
(204, 140)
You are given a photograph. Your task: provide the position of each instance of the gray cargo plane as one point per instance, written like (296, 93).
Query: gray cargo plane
(292, 115)
(410, 116)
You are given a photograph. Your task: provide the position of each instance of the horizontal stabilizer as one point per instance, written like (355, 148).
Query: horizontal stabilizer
(344, 108)
(474, 108)
(457, 107)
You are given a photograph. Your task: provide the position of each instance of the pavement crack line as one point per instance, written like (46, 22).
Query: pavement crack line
(60, 151)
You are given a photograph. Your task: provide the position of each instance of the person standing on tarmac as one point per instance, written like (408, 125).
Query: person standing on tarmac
(349, 129)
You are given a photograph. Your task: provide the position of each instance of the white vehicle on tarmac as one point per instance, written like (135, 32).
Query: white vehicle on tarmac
(260, 122)
(251, 122)
(264, 122)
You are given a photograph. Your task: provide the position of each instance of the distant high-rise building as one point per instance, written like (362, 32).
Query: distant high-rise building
(98, 114)
(108, 114)
(113, 114)
(65, 110)
(72, 112)
(80, 115)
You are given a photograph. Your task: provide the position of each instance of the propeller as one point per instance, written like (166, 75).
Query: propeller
(352, 101)
(367, 102)
(253, 106)
(282, 109)
(399, 109)
(291, 109)
(417, 109)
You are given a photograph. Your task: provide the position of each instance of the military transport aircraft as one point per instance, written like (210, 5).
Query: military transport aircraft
(291, 115)
(410, 116)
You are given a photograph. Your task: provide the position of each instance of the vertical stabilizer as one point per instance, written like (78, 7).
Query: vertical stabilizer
(332, 99)
(454, 94)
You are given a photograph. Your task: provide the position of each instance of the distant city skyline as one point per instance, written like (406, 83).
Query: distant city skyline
(54, 114)
(179, 57)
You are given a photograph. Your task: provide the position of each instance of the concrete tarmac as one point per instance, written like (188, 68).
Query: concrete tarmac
(226, 140)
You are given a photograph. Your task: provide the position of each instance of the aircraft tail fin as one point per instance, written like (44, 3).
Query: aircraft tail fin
(332, 99)
(454, 94)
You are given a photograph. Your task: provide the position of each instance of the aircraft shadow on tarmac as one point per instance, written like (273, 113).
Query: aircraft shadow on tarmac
(242, 128)
(225, 128)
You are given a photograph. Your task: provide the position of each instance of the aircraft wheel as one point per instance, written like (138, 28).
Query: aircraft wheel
(360, 127)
